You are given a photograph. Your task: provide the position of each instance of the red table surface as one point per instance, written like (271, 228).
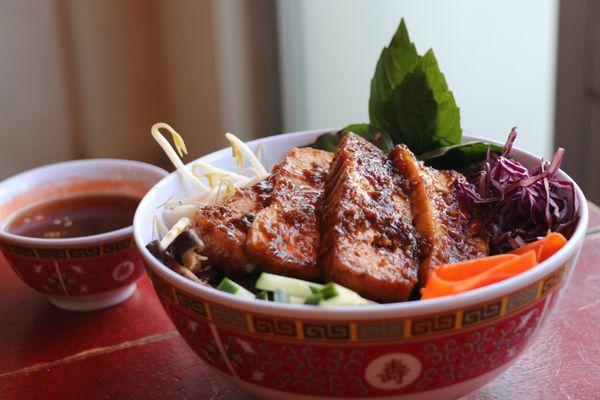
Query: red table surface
(132, 351)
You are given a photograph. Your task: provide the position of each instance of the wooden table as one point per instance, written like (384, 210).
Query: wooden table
(132, 351)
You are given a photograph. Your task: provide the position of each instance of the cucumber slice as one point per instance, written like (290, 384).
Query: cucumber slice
(335, 295)
(313, 300)
(281, 296)
(262, 296)
(297, 291)
(329, 291)
(229, 286)
(296, 299)
(295, 287)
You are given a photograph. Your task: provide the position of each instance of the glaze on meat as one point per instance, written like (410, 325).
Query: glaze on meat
(448, 229)
(224, 228)
(284, 237)
(368, 241)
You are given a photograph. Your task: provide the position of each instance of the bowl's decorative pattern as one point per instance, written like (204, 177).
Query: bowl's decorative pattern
(69, 253)
(379, 368)
(358, 331)
(325, 358)
(76, 271)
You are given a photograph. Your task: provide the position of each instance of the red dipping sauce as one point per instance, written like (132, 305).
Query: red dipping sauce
(75, 216)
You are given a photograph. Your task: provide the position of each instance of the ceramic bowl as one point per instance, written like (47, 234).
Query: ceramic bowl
(434, 349)
(82, 273)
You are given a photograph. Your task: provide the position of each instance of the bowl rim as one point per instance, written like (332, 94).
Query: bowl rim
(399, 309)
(80, 240)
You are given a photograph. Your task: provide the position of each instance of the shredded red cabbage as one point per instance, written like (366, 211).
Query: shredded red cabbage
(518, 205)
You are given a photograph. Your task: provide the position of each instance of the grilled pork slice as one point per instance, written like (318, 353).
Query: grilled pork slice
(368, 242)
(224, 228)
(284, 237)
(448, 229)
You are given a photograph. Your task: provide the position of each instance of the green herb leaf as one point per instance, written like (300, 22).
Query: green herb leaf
(327, 141)
(459, 156)
(410, 103)
(410, 98)
(330, 141)
(421, 111)
(395, 62)
(374, 135)
(262, 295)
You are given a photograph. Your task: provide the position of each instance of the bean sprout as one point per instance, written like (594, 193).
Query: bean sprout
(241, 149)
(171, 235)
(159, 229)
(181, 149)
(220, 183)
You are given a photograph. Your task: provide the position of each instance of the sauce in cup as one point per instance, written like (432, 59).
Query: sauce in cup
(75, 216)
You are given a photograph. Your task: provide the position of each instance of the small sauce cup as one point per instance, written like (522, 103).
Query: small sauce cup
(81, 273)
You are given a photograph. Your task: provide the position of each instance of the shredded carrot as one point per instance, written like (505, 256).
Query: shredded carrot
(469, 268)
(429, 294)
(546, 247)
(436, 287)
(500, 272)
(452, 279)
(479, 272)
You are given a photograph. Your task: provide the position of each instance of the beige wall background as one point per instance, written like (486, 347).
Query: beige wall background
(88, 78)
(33, 101)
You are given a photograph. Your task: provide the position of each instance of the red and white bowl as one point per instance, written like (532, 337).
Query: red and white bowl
(82, 273)
(431, 349)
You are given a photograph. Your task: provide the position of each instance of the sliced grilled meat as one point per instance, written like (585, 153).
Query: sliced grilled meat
(448, 229)
(223, 228)
(368, 242)
(284, 237)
